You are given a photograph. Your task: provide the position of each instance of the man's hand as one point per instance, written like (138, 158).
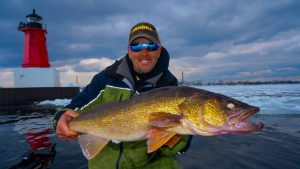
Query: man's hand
(62, 129)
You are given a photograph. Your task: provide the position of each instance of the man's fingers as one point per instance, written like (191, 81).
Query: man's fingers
(66, 132)
(68, 138)
(71, 113)
(63, 130)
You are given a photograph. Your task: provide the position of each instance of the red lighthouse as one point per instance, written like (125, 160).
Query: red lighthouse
(35, 70)
(35, 48)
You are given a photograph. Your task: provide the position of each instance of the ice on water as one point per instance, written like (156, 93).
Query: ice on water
(272, 99)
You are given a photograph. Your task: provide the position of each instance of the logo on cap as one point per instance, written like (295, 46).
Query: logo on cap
(140, 27)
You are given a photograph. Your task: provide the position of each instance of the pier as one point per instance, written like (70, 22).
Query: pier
(23, 96)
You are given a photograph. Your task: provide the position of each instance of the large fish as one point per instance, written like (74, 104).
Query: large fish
(161, 116)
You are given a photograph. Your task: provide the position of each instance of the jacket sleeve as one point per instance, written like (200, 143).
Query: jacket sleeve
(89, 93)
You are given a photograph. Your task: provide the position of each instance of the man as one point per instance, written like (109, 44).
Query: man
(145, 67)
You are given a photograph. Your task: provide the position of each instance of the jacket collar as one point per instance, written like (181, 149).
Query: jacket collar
(123, 68)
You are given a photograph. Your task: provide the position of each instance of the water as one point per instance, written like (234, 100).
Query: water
(277, 146)
(272, 99)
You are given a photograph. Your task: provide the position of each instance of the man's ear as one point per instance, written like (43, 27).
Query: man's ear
(129, 53)
(159, 51)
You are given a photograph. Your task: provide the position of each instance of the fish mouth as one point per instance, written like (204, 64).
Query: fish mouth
(236, 123)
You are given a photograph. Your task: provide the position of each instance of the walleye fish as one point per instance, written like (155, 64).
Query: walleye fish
(161, 116)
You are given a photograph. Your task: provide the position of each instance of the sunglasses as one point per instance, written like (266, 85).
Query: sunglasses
(137, 47)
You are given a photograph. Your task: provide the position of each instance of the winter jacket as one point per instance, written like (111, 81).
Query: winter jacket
(119, 82)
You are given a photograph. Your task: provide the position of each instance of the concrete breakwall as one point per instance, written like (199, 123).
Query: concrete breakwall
(22, 96)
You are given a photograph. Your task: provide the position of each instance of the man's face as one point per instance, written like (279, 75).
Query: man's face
(143, 61)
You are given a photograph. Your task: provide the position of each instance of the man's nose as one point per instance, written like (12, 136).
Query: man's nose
(144, 52)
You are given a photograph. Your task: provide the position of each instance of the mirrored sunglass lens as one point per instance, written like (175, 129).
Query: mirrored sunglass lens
(136, 47)
(152, 47)
(140, 46)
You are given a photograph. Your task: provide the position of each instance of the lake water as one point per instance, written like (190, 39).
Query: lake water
(277, 146)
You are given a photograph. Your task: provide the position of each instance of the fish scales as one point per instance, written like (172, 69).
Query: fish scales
(166, 111)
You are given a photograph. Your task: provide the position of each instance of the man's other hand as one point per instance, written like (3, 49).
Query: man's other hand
(62, 129)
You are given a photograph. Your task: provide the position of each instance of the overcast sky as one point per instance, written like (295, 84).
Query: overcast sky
(209, 39)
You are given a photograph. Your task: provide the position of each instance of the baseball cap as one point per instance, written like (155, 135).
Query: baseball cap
(145, 30)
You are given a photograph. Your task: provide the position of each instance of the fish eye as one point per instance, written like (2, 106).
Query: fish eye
(231, 105)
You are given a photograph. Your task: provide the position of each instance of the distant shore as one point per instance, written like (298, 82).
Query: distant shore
(198, 83)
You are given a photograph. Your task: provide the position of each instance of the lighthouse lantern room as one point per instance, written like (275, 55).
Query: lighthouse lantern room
(35, 70)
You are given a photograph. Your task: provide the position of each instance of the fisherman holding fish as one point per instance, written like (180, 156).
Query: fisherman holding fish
(133, 114)
(143, 68)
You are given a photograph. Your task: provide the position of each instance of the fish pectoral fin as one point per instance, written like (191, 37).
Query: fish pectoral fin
(91, 145)
(157, 138)
(162, 119)
(173, 141)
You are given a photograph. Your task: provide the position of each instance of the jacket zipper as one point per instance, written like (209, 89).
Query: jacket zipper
(120, 155)
(126, 81)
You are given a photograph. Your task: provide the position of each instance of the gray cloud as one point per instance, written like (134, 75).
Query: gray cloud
(209, 39)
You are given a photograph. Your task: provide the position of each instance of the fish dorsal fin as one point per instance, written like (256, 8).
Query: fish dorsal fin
(91, 145)
(162, 120)
(157, 138)
(173, 141)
